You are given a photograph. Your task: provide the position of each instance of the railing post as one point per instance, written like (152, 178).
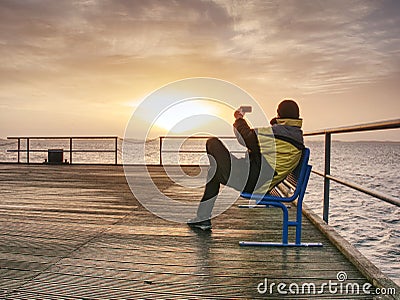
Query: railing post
(19, 149)
(161, 141)
(27, 150)
(116, 150)
(70, 150)
(327, 171)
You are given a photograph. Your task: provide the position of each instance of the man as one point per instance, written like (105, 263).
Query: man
(273, 152)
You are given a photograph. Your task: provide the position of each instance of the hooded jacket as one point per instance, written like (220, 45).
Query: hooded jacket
(280, 146)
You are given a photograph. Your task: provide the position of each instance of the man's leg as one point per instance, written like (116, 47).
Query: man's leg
(218, 172)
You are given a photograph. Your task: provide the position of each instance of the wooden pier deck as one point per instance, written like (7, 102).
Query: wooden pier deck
(77, 232)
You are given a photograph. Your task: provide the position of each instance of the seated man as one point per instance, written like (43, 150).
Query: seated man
(273, 152)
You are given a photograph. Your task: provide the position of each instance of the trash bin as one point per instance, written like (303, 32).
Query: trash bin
(55, 156)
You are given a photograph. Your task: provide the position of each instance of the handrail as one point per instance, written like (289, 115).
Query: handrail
(63, 137)
(365, 190)
(70, 150)
(381, 125)
(388, 124)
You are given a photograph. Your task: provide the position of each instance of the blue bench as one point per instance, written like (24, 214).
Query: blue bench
(291, 188)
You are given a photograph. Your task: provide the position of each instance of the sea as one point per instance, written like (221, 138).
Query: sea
(371, 225)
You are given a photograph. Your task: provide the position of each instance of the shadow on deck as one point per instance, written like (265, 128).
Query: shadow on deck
(77, 232)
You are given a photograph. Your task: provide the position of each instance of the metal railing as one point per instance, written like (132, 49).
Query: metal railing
(29, 139)
(327, 133)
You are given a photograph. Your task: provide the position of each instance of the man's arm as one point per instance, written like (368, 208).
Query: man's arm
(248, 134)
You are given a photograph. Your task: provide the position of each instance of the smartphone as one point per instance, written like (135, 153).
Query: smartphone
(245, 109)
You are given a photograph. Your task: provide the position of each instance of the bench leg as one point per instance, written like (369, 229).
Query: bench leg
(298, 232)
(285, 229)
(285, 224)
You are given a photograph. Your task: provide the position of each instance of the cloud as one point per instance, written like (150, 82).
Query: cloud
(71, 41)
(132, 28)
(279, 39)
(334, 43)
(97, 52)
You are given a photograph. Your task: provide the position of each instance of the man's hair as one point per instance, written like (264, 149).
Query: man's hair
(288, 109)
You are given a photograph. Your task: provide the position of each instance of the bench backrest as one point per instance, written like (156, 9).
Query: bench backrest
(293, 184)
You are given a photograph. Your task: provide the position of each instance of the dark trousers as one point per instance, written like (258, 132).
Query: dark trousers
(226, 169)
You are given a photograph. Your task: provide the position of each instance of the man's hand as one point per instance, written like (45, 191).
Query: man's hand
(238, 115)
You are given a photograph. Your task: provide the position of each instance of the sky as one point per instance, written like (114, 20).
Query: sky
(82, 67)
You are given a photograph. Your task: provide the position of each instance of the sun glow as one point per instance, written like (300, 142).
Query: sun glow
(189, 115)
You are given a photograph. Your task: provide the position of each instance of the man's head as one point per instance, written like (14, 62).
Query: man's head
(288, 109)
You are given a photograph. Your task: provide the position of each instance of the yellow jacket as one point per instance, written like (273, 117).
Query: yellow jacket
(281, 145)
